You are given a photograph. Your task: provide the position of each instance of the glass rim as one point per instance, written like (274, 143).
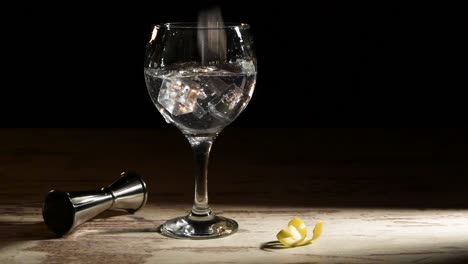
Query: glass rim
(194, 25)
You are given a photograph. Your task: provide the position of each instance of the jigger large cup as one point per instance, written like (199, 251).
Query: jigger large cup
(64, 211)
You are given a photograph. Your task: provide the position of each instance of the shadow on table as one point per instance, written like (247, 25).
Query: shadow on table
(22, 231)
(19, 231)
(130, 231)
(272, 245)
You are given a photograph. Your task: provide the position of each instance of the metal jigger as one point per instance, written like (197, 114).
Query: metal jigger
(63, 211)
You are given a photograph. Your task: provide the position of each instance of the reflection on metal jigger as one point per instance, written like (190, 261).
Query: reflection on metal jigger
(63, 211)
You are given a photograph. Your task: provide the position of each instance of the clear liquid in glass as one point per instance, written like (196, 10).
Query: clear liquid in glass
(198, 99)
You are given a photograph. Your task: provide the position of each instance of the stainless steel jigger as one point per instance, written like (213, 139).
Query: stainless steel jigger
(63, 211)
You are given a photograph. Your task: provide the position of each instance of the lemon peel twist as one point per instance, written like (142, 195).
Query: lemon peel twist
(296, 233)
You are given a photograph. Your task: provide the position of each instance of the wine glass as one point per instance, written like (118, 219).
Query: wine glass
(200, 77)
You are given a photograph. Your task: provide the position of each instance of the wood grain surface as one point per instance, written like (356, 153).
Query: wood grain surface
(385, 195)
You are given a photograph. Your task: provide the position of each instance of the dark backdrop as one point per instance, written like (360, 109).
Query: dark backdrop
(323, 63)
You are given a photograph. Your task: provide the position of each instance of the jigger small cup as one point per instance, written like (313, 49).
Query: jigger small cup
(64, 211)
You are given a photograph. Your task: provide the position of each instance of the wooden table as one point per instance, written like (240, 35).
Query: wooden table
(385, 196)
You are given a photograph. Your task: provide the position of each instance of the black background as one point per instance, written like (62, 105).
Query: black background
(323, 63)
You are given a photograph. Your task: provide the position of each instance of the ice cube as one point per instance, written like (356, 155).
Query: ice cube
(168, 94)
(227, 106)
(212, 86)
(248, 67)
(178, 96)
(198, 111)
(188, 97)
(239, 66)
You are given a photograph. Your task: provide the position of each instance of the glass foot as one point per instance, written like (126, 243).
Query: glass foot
(199, 227)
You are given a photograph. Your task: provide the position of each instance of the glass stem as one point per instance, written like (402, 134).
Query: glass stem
(201, 146)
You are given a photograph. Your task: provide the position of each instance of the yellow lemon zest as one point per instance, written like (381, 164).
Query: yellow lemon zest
(296, 233)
